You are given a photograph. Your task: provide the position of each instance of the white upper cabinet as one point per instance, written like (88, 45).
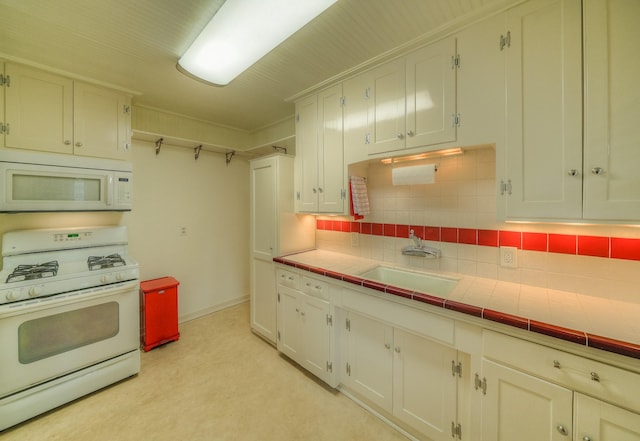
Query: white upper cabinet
(39, 110)
(51, 113)
(480, 83)
(320, 185)
(571, 149)
(102, 122)
(542, 46)
(412, 100)
(612, 109)
(431, 94)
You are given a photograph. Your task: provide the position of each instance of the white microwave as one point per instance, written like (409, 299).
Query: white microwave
(41, 182)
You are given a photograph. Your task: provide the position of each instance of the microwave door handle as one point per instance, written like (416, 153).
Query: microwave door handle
(109, 190)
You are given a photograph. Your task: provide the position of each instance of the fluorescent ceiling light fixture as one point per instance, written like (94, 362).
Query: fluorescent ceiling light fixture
(242, 32)
(427, 155)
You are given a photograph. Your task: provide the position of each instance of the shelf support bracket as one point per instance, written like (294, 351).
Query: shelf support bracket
(279, 149)
(197, 151)
(158, 145)
(229, 155)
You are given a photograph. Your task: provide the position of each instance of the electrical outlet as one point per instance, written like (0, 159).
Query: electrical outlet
(509, 257)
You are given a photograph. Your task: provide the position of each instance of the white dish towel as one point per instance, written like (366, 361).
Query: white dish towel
(359, 195)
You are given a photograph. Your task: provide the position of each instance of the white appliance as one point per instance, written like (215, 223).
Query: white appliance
(275, 230)
(33, 181)
(69, 317)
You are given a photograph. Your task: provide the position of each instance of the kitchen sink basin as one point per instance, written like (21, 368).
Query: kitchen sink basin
(413, 280)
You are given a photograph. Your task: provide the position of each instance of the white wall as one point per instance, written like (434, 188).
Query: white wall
(210, 200)
(171, 191)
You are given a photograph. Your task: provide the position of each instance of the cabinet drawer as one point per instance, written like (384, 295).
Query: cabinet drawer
(609, 383)
(288, 278)
(315, 288)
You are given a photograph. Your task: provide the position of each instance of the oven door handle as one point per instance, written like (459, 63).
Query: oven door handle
(29, 306)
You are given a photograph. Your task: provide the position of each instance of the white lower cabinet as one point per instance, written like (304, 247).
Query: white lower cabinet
(305, 332)
(533, 392)
(596, 420)
(410, 377)
(518, 406)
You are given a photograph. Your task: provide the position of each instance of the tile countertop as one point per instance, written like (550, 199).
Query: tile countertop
(601, 323)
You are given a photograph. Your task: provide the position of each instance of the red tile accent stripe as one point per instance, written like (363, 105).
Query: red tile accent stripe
(594, 246)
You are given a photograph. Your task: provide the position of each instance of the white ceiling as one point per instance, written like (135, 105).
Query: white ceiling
(135, 44)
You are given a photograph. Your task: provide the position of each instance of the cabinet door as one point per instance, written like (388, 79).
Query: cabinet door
(544, 110)
(317, 337)
(520, 407)
(39, 110)
(306, 162)
(387, 108)
(290, 336)
(331, 183)
(598, 421)
(100, 122)
(262, 236)
(355, 122)
(431, 94)
(480, 84)
(424, 389)
(263, 298)
(370, 360)
(612, 109)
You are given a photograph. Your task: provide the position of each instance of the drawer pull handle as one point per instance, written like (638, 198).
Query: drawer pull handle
(556, 364)
(595, 376)
(562, 430)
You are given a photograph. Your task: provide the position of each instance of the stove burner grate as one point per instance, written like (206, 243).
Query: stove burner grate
(30, 272)
(102, 262)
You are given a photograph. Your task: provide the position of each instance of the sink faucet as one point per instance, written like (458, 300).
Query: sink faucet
(418, 249)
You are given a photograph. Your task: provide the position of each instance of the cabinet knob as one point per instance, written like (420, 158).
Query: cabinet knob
(586, 438)
(556, 364)
(400, 136)
(595, 376)
(562, 430)
(410, 133)
(67, 142)
(397, 349)
(78, 144)
(314, 191)
(387, 345)
(574, 172)
(319, 189)
(597, 170)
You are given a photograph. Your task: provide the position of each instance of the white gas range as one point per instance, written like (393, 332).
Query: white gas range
(69, 317)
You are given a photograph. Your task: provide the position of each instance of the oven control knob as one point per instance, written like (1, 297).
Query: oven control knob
(120, 277)
(10, 296)
(105, 278)
(35, 291)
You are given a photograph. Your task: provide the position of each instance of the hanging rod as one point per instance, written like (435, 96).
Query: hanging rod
(158, 145)
(229, 155)
(197, 151)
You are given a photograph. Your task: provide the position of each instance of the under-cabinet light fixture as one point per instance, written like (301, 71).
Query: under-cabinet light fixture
(427, 155)
(243, 31)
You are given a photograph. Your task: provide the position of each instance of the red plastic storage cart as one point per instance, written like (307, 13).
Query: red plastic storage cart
(159, 311)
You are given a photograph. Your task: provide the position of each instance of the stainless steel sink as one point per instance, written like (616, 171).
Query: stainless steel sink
(413, 280)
